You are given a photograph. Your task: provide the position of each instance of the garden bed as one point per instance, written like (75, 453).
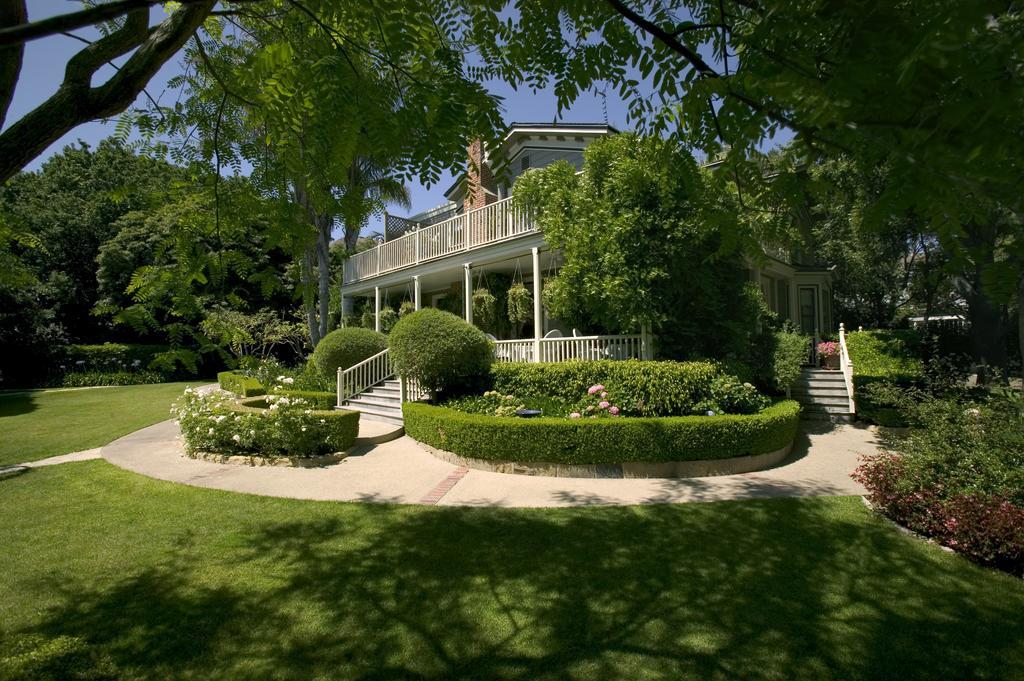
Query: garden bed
(678, 446)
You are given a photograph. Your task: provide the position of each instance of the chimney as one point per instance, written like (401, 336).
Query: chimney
(481, 188)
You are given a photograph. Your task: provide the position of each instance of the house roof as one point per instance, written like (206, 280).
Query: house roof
(518, 128)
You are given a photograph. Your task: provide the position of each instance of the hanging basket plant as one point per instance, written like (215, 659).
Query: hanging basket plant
(485, 307)
(520, 304)
(407, 307)
(388, 317)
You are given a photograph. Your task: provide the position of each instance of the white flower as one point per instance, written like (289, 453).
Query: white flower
(308, 411)
(252, 432)
(323, 421)
(236, 437)
(220, 418)
(287, 380)
(280, 379)
(303, 429)
(284, 400)
(273, 406)
(210, 432)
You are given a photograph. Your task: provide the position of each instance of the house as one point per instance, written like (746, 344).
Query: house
(437, 256)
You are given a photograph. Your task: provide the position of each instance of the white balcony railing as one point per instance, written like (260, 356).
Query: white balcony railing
(571, 348)
(478, 227)
(846, 364)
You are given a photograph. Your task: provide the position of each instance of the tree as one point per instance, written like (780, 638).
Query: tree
(934, 97)
(641, 236)
(369, 188)
(126, 30)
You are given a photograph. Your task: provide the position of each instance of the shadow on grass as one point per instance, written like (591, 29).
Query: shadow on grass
(783, 589)
(13, 404)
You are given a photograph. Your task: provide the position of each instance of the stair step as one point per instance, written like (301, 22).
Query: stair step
(376, 401)
(377, 413)
(826, 409)
(826, 389)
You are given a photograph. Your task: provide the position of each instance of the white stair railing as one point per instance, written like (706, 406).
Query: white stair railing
(574, 348)
(364, 375)
(846, 364)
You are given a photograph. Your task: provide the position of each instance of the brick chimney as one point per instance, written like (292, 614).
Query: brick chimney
(481, 188)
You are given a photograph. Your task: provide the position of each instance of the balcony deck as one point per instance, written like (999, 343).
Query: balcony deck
(494, 223)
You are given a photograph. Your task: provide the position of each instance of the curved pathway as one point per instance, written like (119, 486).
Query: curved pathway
(402, 472)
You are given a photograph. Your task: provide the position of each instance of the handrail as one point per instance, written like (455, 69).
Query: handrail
(567, 348)
(846, 364)
(363, 375)
(488, 224)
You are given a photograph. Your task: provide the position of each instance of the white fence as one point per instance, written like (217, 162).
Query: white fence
(363, 376)
(846, 364)
(478, 227)
(572, 348)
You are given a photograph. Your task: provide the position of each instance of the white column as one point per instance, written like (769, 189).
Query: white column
(376, 308)
(646, 348)
(467, 291)
(341, 296)
(416, 297)
(538, 308)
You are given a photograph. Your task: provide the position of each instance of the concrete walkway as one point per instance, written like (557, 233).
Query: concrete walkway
(401, 471)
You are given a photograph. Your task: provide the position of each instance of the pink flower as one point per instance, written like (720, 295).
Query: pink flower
(595, 389)
(613, 410)
(603, 395)
(574, 415)
(604, 404)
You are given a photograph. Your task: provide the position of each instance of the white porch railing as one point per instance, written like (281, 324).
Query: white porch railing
(571, 348)
(846, 364)
(363, 376)
(478, 227)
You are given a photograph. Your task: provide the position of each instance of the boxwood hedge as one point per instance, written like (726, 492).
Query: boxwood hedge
(889, 358)
(609, 440)
(322, 399)
(652, 388)
(244, 386)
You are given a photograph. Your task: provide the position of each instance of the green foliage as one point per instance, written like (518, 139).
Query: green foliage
(495, 404)
(609, 440)
(287, 427)
(520, 304)
(885, 366)
(388, 318)
(81, 379)
(729, 395)
(789, 352)
(320, 399)
(345, 347)
(641, 234)
(485, 309)
(241, 385)
(443, 352)
(111, 356)
(642, 388)
(407, 307)
(255, 334)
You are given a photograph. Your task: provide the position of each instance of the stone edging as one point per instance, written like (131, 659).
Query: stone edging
(630, 469)
(282, 461)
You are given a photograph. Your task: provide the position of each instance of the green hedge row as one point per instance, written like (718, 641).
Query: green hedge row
(244, 386)
(885, 359)
(653, 388)
(111, 356)
(322, 400)
(607, 440)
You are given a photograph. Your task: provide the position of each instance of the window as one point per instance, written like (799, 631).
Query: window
(524, 163)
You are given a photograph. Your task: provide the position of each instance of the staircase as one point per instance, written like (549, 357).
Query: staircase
(382, 402)
(823, 395)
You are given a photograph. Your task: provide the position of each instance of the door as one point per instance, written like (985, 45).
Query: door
(807, 308)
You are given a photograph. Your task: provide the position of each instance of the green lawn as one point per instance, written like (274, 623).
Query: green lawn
(146, 579)
(35, 424)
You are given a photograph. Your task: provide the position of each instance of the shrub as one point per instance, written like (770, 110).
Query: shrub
(609, 440)
(320, 399)
(642, 388)
(731, 396)
(343, 348)
(81, 379)
(112, 356)
(34, 657)
(443, 352)
(889, 358)
(957, 477)
(238, 383)
(388, 317)
(288, 427)
(494, 403)
(789, 352)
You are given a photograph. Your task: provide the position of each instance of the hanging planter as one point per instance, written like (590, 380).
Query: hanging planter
(388, 317)
(485, 307)
(407, 307)
(520, 304)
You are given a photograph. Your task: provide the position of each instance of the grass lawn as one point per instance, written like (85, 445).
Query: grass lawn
(35, 424)
(121, 576)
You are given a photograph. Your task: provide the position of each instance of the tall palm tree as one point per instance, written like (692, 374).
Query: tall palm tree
(370, 186)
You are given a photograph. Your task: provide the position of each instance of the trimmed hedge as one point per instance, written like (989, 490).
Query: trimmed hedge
(595, 441)
(234, 382)
(446, 354)
(322, 399)
(113, 356)
(887, 357)
(80, 379)
(649, 388)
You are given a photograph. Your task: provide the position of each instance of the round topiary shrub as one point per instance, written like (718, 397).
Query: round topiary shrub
(344, 347)
(443, 352)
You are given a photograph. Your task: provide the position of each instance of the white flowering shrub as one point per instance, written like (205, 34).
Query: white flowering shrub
(289, 426)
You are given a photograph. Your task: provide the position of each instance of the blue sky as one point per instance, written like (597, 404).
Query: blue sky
(45, 59)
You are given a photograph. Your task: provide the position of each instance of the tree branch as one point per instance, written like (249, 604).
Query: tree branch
(76, 102)
(12, 13)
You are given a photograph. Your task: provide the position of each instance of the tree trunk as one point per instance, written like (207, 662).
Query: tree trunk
(12, 13)
(308, 295)
(987, 333)
(324, 263)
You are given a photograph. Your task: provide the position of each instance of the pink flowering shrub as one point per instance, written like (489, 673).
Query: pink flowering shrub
(596, 404)
(958, 479)
(828, 348)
